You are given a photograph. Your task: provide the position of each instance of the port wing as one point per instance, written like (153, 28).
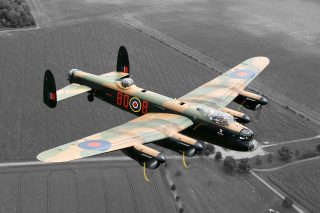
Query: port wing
(222, 90)
(145, 129)
(71, 90)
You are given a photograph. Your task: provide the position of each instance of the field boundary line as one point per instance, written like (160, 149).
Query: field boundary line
(22, 29)
(36, 27)
(274, 190)
(291, 141)
(207, 61)
(40, 163)
(88, 160)
(286, 165)
(96, 159)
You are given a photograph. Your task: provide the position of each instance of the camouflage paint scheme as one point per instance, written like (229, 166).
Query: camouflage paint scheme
(160, 116)
(144, 129)
(219, 92)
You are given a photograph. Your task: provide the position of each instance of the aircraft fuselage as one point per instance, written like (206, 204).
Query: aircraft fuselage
(139, 101)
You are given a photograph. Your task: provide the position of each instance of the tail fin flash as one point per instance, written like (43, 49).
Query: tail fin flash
(123, 60)
(49, 90)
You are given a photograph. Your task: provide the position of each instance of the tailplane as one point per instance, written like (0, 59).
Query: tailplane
(123, 60)
(49, 90)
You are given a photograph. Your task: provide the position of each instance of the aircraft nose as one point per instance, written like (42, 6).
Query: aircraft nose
(253, 145)
(246, 134)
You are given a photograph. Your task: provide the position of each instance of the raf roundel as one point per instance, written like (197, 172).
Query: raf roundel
(243, 74)
(135, 104)
(95, 145)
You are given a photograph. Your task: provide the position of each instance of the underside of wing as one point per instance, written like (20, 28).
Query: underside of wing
(222, 90)
(147, 128)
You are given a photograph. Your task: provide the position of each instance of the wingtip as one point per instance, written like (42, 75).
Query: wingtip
(41, 158)
(47, 160)
(264, 59)
(46, 157)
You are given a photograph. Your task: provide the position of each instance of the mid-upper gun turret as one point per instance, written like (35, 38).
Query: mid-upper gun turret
(126, 82)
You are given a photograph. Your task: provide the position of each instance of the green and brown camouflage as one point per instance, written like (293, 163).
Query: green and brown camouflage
(144, 129)
(222, 90)
(198, 115)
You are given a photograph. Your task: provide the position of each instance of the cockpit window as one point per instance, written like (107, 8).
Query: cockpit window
(216, 116)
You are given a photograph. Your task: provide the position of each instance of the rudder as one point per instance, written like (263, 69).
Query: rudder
(123, 60)
(49, 90)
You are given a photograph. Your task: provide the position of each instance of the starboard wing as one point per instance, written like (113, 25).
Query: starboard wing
(147, 128)
(222, 90)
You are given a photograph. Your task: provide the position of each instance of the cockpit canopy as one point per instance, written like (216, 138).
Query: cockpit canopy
(217, 117)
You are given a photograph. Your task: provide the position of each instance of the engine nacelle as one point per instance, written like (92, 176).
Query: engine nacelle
(143, 154)
(182, 143)
(239, 116)
(71, 74)
(180, 146)
(250, 100)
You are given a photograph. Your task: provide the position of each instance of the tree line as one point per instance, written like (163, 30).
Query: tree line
(15, 13)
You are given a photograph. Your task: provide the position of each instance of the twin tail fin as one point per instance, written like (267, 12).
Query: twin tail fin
(123, 60)
(49, 90)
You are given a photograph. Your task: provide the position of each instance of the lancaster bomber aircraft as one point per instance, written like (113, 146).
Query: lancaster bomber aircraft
(200, 115)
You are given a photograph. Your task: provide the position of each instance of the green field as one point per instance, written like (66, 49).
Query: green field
(300, 181)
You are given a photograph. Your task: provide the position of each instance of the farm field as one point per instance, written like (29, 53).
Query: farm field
(30, 126)
(305, 150)
(119, 186)
(227, 33)
(92, 46)
(299, 181)
(204, 187)
(86, 187)
(86, 34)
(230, 32)
(28, 54)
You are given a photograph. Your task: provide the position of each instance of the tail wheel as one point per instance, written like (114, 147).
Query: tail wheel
(90, 97)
